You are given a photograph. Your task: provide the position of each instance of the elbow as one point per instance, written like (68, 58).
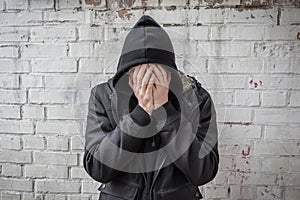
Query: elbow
(210, 170)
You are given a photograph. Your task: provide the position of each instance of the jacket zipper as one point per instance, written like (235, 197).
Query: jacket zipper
(155, 176)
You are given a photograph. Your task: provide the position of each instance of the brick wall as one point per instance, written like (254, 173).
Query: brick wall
(246, 53)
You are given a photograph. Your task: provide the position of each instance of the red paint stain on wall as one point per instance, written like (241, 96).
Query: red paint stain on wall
(246, 153)
(124, 13)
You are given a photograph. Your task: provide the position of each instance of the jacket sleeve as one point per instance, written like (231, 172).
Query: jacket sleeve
(196, 136)
(104, 147)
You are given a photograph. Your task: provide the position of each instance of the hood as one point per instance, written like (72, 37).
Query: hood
(147, 42)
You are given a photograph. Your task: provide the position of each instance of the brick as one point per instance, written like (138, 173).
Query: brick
(223, 49)
(292, 193)
(57, 143)
(236, 32)
(274, 99)
(60, 127)
(80, 197)
(276, 148)
(20, 18)
(55, 196)
(273, 116)
(45, 171)
(294, 165)
(246, 98)
(17, 4)
(247, 179)
(234, 114)
(55, 158)
(269, 192)
(66, 112)
(210, 16)
(91, 33)
(235, 65)
(225, 163)
(282, 132)
(216, 192)
(91, 65)
(79, 173)
(10, 112)
(164, 16)
(243, 132)
(173, 3)
(33, 142)
(31, 196)
(66, 17)
(150, 3)
(11, 170)
(15, 156)
(270, 82)
(16, 184)
(258, 16)
(14, 34)
(51, 65)
(281, 32)
(53, 34)
(57, 186)
(242, 192)
(30, 111)
(10, 196)
(198, 33)
(294, 99)
(212, 81)
(222, 97)
(8, 51)
(280, 65)
(43, 51)
(32, 81)
(243, 164)
(50, 96)
(67, 81)
(16, 127)
(275, 164)
(89, 186)
(289, 16)
(77, 143)
(276, 49)
(61, 4)
(10, 142)
(9, 81)
(12, 96)
(236, 147)
(17, 66)
(40, 5)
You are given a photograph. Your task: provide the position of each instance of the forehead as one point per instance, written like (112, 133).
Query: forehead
(150, 64)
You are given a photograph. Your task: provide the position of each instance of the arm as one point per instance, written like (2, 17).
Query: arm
(99, 134)
(200, 159)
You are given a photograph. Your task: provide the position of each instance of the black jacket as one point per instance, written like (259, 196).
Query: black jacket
(165, 156)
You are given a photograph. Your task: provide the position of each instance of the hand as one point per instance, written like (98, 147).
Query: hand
(141, 80)
(161, 86)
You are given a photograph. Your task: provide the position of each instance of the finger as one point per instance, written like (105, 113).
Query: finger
(130, 81)
(134, 75)
(158, 75)
(140, 75)
(164, 74)
(146, 78)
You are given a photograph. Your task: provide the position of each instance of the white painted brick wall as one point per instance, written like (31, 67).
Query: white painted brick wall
(52, 52)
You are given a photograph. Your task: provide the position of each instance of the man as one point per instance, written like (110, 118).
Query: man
(151, 129)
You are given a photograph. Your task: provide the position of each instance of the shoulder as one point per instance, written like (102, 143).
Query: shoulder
(100, 90)
(203, 93)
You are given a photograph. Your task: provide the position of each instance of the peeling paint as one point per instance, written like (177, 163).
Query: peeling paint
(93, 2)
(124, 13)
(240, 123)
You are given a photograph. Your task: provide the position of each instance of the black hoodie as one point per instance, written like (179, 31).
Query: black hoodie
(147, 42)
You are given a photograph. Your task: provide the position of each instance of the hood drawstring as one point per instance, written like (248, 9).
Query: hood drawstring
(153, 142)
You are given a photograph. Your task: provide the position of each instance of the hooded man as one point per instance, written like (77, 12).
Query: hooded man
(151, 129)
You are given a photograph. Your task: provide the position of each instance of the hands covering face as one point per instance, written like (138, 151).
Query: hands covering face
(150, 83)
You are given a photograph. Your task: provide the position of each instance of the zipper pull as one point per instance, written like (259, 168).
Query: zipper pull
(153, 142)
